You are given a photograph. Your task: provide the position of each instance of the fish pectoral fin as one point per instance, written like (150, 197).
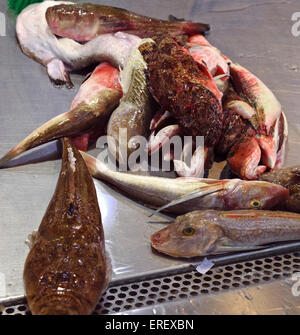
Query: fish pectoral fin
(173, 18)
(58, 74)
(225, 245)
(198, 193)
(220, 76)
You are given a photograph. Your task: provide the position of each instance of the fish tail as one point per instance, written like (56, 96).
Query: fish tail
(50, 130)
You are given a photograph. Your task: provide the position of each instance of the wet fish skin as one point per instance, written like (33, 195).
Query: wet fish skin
(62, 55)
(84, 21)
(184, 88)
(135, 110)
(189, 193)
(260, 97)
(288, 177)
(91, 108)
(210, 232)
(67, 270)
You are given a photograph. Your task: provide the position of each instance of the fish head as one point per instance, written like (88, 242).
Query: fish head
(188, 235)
(255, 195)
(70, 20)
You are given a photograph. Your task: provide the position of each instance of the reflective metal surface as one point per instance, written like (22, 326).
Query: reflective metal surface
(256, 34)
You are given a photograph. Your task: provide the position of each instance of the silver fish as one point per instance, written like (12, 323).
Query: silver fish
(183, 195)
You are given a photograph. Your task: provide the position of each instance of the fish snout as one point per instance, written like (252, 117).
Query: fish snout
(159, 238)
(58, 304)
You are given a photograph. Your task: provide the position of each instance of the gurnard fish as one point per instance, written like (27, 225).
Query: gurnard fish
(211, 232)
(288, 177)
(182, 195)
(135, 110)
(61, 55)
(90, 109)
(85, 21)
(67, 268)
(185, 88)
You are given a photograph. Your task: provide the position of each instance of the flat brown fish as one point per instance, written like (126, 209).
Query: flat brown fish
(66, 270)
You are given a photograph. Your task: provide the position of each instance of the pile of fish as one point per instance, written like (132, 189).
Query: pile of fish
(157, 79)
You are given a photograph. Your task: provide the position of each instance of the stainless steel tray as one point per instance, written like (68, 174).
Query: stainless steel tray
(254, 33)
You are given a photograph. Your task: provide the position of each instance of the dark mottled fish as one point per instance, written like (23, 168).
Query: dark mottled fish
(201, 233)
(85, 21)
(184, 87)
(66, 270)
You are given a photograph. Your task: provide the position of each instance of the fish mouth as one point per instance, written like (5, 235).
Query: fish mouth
(159, 241)
(57, 304)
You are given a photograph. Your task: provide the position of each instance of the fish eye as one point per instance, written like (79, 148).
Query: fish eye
(255, 203)
(188, 231)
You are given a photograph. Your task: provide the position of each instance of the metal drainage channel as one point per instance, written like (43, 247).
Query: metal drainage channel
(186, 285)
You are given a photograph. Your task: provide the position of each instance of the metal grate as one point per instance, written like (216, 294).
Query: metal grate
(182, 286)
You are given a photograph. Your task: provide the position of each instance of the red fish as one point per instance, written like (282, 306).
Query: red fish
(90, 109)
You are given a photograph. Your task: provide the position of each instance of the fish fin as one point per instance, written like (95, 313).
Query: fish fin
(220, 76)
(58, 74)
(173, 18)
(225, 245)
(109, 269)
(31, 238)
(198, 193)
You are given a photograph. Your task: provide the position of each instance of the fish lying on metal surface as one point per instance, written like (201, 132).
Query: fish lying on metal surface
(186, 89)
(67, 268)
(91, 108)
(84, 21)
(288, 177)
(183, 87)
(212, 232)
(135, 110)
(62, 55)
(182, 195)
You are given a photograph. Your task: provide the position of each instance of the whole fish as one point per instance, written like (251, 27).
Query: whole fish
(134, 113)
(183, 195)
(209, 232)
(63, 55)
(85, 21)
(67, 269)
(288, 177)
(91, 108)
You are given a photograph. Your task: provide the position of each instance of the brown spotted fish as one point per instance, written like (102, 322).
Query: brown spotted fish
(66, 270)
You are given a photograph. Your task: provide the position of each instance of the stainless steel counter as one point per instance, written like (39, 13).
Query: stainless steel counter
(257, 34)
